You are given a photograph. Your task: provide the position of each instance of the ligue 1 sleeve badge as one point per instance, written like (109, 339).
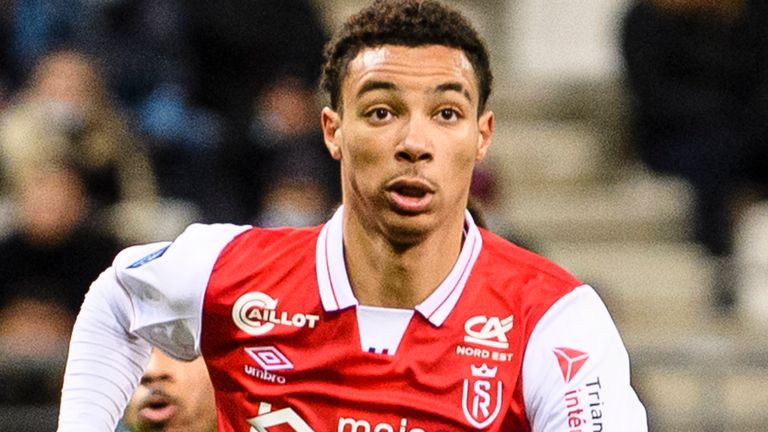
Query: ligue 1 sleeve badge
(481, 404)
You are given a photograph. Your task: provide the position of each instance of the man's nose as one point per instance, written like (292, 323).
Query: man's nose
(416, 145)
(157, 369)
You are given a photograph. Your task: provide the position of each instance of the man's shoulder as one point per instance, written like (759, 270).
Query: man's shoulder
(279, 236)
(196, 240)
(508, 258)
(528, 282)
(262, 247)
(210, 240)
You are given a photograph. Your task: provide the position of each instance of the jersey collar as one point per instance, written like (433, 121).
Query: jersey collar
(336, 292)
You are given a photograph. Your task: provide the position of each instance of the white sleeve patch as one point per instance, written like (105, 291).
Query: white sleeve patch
(166, 284)
(576, 370)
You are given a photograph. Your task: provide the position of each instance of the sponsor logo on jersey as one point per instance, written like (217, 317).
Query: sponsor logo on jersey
(584, 407)
(288, 418)
(583, 402)
(481, 396)
(570, 361)
(269, 359)
(488, 331)
(256, 314)
(348, 424)
(483, 353)
(151, 257)
(267, 418)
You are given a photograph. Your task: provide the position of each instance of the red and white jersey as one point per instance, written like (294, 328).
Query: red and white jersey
(507, 342)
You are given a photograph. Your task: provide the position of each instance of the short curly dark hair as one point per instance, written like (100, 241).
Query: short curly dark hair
(408, 23)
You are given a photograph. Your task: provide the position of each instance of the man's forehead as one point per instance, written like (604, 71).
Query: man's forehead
(371, 57)
(440, 61)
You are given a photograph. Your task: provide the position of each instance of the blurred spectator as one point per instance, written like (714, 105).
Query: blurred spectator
(189, 74)
(283, 174)
(29, 29)
(239, 48)
(33, 345)
(65, 114)
(698, 71)
(142, 44)
(48, 263)
(257, 65)
(53, 241)
(140, 48)
(184, 142)
(296, 202)
(145, 49)
(173, 396)
(5, 53)
(485, 205)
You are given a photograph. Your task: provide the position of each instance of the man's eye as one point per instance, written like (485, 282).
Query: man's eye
(448, 114)
(380, 113)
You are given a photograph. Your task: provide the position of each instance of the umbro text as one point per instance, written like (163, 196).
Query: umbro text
(264, 375)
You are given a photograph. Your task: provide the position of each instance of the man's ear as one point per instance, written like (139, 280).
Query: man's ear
(485, 126)
(331, 124)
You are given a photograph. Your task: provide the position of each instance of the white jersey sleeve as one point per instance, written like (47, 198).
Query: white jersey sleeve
(152, 295)
(166, 284)
(576, 370)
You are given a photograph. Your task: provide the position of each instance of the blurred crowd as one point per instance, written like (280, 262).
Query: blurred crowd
(122, 121)
(698, 74)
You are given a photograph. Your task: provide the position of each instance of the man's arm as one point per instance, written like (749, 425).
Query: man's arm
(105, 361)
(152, 295)
(576, 370)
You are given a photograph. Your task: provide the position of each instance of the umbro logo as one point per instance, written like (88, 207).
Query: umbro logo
(269, 358)
(488, 331)
(570, 361)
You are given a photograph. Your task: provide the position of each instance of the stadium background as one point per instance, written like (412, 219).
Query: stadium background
(563, 179)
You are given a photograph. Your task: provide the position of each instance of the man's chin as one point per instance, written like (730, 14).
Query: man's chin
(409, 229)
(151, 427)
(162, 427)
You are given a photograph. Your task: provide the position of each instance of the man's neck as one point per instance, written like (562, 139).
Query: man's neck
(385, 274)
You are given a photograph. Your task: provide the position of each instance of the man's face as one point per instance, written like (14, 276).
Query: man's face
(172, 396)
(408, 136)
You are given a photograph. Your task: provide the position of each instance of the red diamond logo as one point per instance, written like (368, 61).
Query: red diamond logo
(570, 361)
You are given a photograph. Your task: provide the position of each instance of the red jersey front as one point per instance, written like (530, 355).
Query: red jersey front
(289, 348)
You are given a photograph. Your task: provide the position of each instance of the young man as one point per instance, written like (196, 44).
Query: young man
(173, 396)
(399, 314)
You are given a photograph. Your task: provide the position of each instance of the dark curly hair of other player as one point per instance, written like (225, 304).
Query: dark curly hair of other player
(409, 23)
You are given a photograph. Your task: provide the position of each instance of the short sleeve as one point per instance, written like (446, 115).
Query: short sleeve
(576, 370)
(166, 285)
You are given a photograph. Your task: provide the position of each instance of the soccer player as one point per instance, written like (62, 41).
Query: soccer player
(173, 396)
(399, 313)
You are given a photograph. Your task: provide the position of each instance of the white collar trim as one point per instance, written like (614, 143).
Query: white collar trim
(336, 291)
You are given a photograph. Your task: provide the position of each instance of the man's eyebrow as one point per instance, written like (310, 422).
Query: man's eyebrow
(375, 85)
(453, 86)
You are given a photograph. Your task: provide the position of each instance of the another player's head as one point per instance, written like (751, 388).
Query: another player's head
(173, 396)
(408, 23)
(408, 82)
